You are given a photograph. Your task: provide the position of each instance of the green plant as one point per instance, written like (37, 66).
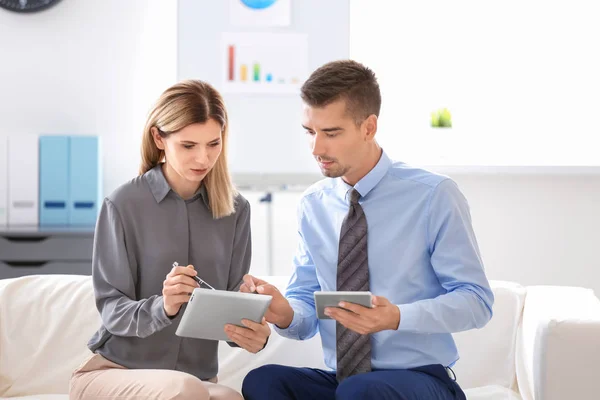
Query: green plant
(441, 118)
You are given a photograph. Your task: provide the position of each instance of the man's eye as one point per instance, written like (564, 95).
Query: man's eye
(188, 146)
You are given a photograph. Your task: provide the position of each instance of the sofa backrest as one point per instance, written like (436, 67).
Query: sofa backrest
(46, 321)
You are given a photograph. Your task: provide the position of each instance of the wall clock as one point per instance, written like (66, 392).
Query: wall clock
(26, 6)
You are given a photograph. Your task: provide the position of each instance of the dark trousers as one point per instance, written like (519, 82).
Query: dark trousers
(278, 382)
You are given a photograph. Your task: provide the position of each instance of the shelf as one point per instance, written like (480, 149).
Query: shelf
(513, 170)
(295, 182)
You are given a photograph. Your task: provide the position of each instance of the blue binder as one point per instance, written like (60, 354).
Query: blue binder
(84, 180)
(54, 180)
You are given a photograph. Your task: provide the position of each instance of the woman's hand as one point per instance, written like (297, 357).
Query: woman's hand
(177, 288)
(252, 338)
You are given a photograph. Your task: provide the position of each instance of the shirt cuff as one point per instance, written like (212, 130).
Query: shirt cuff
(292, 330)
(409, 318)
(161, 317)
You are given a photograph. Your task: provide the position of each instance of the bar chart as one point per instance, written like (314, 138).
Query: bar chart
(264, 62)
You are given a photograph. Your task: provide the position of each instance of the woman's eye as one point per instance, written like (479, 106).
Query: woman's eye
(188, 146)
(215, 144)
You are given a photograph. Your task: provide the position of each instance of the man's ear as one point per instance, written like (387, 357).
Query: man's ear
(369, 127)
(158, 140)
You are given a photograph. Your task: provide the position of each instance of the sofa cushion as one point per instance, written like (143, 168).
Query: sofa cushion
(491, 393)
(45, 323)
(487, 355)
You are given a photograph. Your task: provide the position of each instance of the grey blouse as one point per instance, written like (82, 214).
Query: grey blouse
(143, 227)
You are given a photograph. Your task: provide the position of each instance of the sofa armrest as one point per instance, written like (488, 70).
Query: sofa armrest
(558, 344)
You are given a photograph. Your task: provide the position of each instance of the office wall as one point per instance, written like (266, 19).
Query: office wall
(88, 67)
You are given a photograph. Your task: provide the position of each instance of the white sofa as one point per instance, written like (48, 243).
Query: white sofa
(543, 343)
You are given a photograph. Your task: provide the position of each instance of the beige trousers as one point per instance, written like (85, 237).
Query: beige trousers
(101, 379)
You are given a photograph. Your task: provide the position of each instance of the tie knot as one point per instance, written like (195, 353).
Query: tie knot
(354, 196)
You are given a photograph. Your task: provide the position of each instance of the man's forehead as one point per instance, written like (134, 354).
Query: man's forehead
(333, 111)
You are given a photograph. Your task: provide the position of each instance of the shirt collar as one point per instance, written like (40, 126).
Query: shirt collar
(204, 194)
(370, 180)
(160, 187)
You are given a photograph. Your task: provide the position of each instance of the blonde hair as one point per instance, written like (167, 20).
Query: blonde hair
(182, 104)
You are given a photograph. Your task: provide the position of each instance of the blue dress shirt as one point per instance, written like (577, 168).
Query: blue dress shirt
(423, 257)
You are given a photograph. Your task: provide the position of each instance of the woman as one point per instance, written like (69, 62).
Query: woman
(181, 208)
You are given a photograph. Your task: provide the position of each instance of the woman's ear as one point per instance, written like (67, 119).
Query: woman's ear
(158, 140)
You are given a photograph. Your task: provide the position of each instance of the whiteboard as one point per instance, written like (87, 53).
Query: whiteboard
(267, 142)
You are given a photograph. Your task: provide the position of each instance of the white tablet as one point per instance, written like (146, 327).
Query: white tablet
(331, 299)
(208, 311)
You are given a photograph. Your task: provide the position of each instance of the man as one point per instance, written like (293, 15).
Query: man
(403, 233)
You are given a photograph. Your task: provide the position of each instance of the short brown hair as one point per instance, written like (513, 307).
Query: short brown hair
(183, 104)
(344, 79)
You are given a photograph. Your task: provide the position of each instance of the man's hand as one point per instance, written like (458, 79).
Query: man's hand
(177, 288)
(280, 312)
(252, 338)
(384, 315)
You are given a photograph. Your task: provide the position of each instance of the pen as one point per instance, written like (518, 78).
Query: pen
(196, 278)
